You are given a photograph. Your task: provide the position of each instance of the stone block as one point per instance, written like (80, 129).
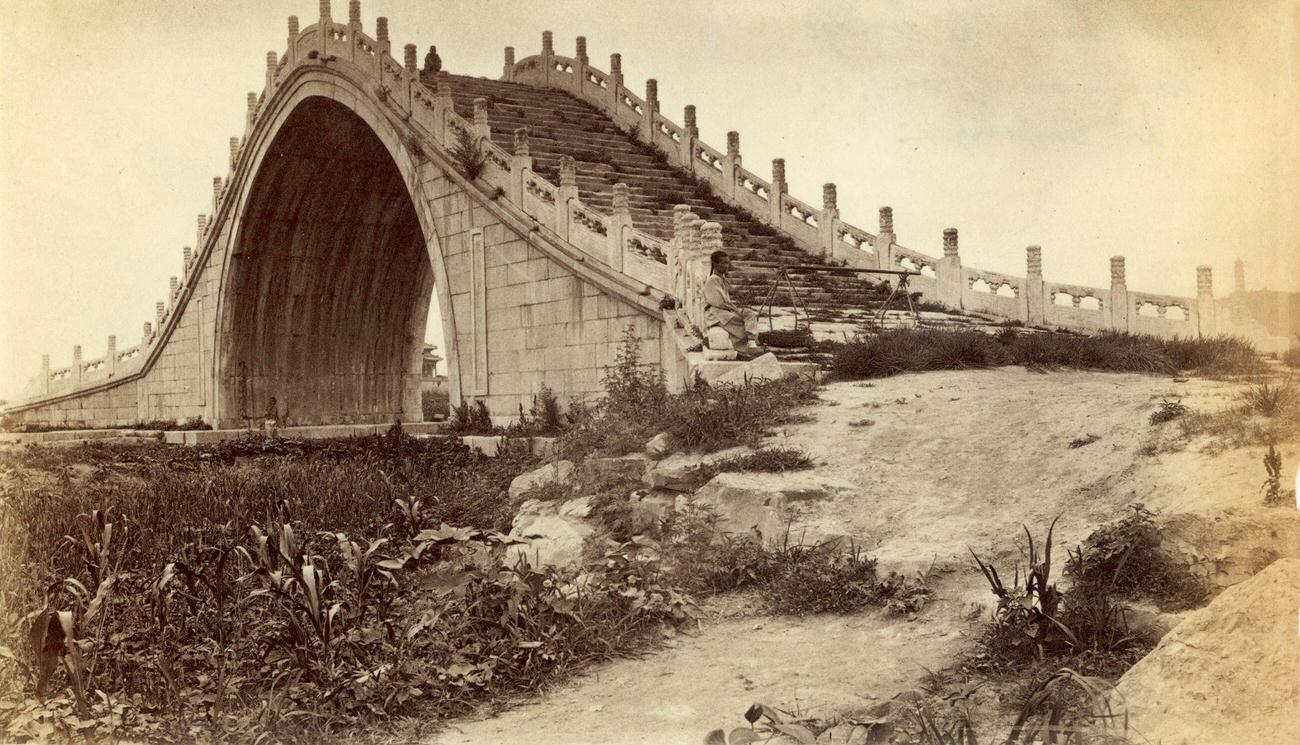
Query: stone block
(597, 474)
(559, 472)
(488, 445)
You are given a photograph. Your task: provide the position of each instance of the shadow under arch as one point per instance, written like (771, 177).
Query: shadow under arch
(326, 294)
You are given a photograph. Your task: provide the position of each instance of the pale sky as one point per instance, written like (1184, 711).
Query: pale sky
(1164, 131)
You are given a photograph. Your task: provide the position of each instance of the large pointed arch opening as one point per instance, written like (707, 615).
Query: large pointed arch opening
(328, 288)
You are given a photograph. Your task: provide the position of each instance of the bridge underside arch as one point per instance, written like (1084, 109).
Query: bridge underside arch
(327, 293)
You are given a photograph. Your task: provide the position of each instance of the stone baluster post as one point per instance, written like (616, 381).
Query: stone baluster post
(731, 165)
(173, 289)
(564, 196)
(1120, 315)
(619, 223)
(885, 240)
(251, 112)
(354, 15)
(187, 260)
(234, 152)
(948, 272)
(147, 334)
(615, 86)
(508, 69)
(1205, 316)
(272, 64)
(446, 106)
(827, 219)
(112, 356)
(159, 312)
(292, 40)
(216, 196)
(580, 64)
(45, 374)
(690, 132)
(383, 46)
(693, 283)
(521, 165)
(76, 365)
(409, 60)
(779, 189)
(482, 130)
(648, 124)
(323, 30)
(1035, 302)
(201, 225)
(548, 56)
(677, 254)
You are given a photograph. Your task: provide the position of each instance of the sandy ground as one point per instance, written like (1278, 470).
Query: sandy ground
(950, 460)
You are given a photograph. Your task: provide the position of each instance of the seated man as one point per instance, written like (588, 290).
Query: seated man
(741, 324)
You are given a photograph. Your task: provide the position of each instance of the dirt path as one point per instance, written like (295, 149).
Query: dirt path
(952, 459)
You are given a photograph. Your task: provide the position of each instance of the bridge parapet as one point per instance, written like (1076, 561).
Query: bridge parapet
(822, 231)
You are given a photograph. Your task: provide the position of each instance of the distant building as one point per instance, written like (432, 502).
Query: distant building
(430, 379)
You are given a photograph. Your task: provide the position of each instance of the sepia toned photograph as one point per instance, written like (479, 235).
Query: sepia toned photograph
(451, 372)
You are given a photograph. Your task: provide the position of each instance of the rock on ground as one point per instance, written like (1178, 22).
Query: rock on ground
(554, 531)
(1229, 673)
(764, 503)
(559, 472)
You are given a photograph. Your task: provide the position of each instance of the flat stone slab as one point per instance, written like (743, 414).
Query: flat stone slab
(79, 435)
(717, 370)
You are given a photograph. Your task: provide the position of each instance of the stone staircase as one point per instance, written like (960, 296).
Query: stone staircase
(559, 124)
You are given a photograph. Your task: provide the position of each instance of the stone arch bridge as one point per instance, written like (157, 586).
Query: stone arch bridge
(354, 192)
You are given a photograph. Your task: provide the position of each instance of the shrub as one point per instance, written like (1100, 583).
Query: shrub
(435, 405)
(1291, 357)
(771, 459)
(1271, 399)
(281, 601)
(544, 418)
(471, 417)
(1168, 411)
(910, 350)
(1036, 621)
(637, 406)
(1124, 558)
(468, 155)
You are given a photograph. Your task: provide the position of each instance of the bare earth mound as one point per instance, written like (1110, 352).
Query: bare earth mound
(927, 464)
(1229, 673)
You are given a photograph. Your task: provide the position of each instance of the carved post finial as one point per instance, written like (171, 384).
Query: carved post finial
(173, 285)
(444, 85)
(1117, 270)
(510, 57)
(710, 237)
(886, 219)
(481, 115)
(148, 331)
(159, 308)
(408, 57)
(354, 13)
(652, 94)
(272, 61)
(733, 143)
(620, 198)
(616, 67)
(548, 46)
(293, 27)
(325, 11)
(568, 172)
(680, 213)
(187, 258)
(234, 151)
(581, 44)
(949, 243)
(521, 142)
(202, 225)
(252, 108)
(689, 117)
(778, 176)
(381, 28)
(1034, 261)
(216, 195)
(829, 197)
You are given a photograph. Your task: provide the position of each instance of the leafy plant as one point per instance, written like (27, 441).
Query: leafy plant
(1168, 411)
(1273, 484)
(468, 155)
(471, 417)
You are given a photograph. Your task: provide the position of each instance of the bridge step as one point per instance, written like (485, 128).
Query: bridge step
(604, 155)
